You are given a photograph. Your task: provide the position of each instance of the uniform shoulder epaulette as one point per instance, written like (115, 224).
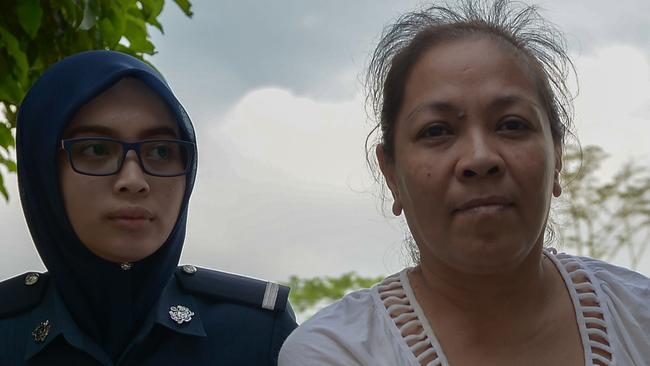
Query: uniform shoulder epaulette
(22, 292)
(228, 287)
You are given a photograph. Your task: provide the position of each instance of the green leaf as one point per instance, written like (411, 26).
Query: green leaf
(10, 91)
(21, 66)
(29, 14)
(136, 33)
(110, 36)
(4, 66)
(117, 16)
(154, 22)
(6, 138)
(185, 6)
(151, 10)
(3, 189)
(10, 164)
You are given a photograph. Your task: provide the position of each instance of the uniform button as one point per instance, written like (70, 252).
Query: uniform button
(189, 269)
(31, 279)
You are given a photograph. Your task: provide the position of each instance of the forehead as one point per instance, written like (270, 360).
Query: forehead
(128, 109)
(472, 64)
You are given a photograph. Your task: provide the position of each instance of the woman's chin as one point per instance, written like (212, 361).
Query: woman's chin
(119, 251)
(482, 256)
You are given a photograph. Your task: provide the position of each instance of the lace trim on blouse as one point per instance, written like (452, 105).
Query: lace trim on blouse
(398, 299)
(423, 344)
(588, 302)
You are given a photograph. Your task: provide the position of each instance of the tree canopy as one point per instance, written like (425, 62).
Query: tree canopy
(602, 218)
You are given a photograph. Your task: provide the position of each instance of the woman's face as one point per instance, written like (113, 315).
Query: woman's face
(475, 163)
(127, 216)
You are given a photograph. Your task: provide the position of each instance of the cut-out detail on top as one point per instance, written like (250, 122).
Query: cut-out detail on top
(589, 310)
(402, 307)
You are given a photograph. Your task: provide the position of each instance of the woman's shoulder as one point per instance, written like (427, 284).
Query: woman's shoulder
(344, 314)
(229, 287)
(620, 280)
(20, 296)
(624, 294)
(242, 298)
(618, 283)
(353, 330)
(244, 318)
(21, 293)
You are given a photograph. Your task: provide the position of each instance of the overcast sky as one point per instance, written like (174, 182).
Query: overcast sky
(273, 89)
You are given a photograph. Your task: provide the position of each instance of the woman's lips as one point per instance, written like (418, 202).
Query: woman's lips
(131, 218)
(484, 209)
(130, 224)
(484, 205)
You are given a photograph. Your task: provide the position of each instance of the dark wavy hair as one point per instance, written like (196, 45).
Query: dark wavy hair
(517, 26)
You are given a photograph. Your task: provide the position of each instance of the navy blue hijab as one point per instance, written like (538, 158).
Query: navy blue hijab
(108, 303)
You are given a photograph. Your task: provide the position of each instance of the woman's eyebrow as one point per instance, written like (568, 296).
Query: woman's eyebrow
(157, 131)
(509, 100)
(95, 130)
(107, 131)
(443, 107)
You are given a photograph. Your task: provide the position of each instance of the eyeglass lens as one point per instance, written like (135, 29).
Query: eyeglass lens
(103, 157)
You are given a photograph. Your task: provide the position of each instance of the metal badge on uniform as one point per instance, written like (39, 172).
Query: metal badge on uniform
(181, 314)
(189, 269)
(41, 331)
(31, 278)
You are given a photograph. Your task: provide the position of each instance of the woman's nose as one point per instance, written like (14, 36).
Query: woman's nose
(131, 178)
(479, 158)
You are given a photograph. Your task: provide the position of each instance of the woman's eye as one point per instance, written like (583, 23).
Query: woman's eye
(96, 149)
(436, 130)
(159, 152)
(513, 125)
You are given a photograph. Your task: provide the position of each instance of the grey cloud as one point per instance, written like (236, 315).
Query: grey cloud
(229, 47)
(318, 49)
(590, 24)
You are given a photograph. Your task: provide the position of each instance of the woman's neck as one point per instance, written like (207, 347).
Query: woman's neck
(479, 303)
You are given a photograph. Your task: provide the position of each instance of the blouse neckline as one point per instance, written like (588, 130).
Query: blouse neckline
(593, 321)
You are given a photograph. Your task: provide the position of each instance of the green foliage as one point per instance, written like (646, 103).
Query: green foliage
(603, 218)
(309, 292)
(37, 33)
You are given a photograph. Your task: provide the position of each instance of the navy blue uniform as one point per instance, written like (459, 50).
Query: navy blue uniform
(89, 310)
(202, 317)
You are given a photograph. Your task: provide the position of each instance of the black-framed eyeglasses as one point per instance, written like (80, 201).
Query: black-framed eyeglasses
(101, 156)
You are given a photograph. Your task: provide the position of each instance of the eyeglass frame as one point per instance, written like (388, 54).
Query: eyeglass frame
(66, 145)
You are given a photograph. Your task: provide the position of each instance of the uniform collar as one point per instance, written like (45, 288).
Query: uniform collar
(53, 312)
(172, 296)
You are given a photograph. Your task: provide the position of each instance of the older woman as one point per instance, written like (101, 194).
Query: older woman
(473, 114)
(106, 164)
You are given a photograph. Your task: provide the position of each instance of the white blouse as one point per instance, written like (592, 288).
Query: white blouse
(385, 325)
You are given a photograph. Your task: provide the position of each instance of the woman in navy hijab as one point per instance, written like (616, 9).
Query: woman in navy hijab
(106, 165)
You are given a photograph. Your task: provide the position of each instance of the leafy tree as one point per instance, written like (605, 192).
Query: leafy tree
(37, 33)
(601, 219)
(307, 293)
